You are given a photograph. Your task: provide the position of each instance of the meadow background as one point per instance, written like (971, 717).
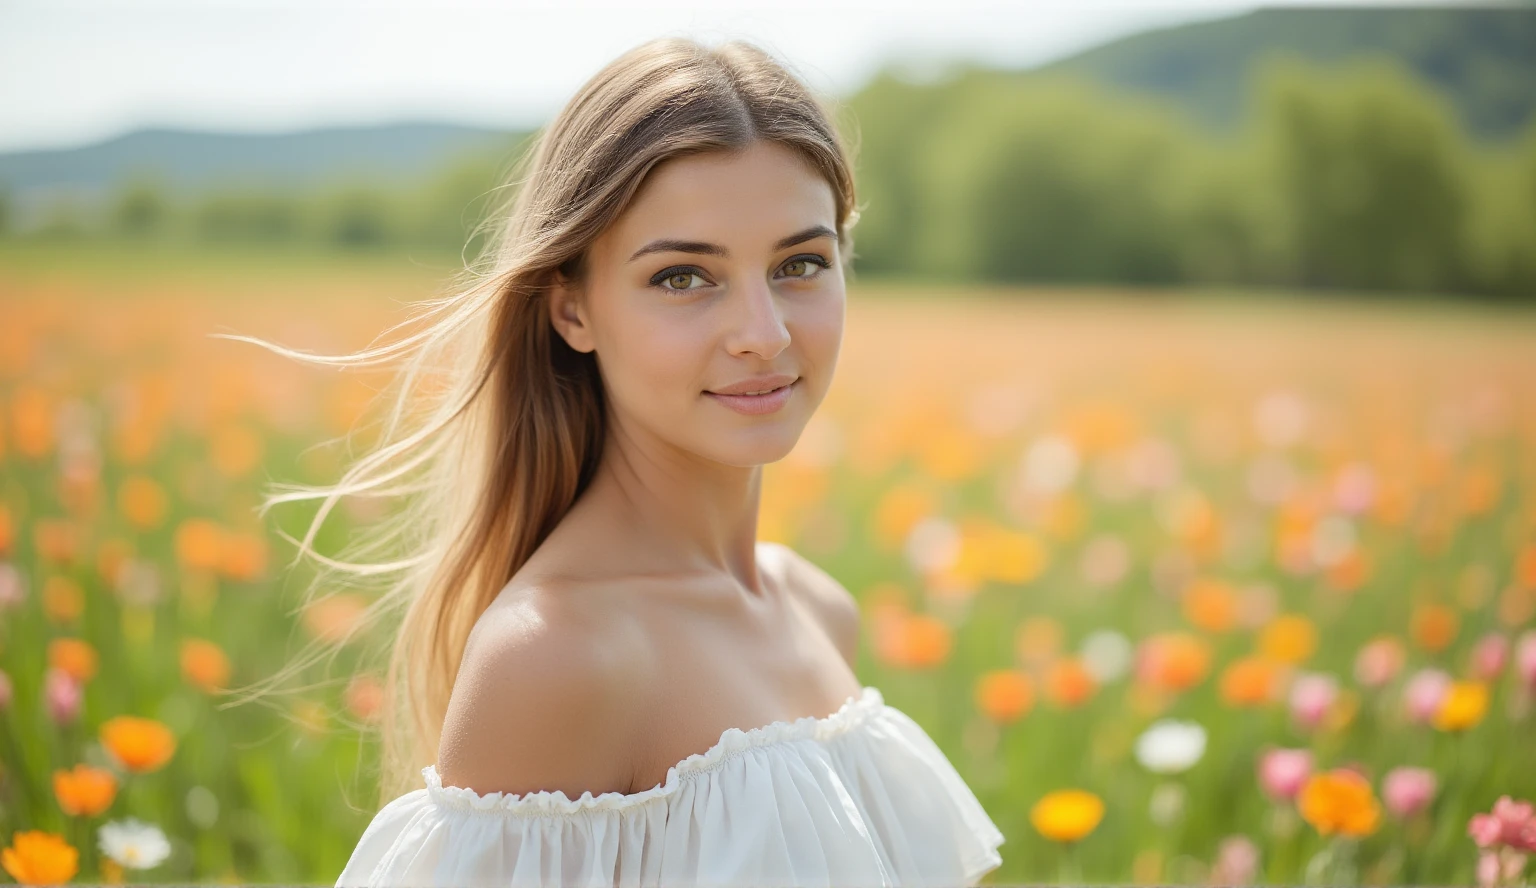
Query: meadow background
(1182, 457)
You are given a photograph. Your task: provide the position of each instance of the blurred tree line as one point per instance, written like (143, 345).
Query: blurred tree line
(1355, 177)
(1352, 177)
(439, 211)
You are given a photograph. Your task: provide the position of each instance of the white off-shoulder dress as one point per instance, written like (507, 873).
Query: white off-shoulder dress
(862, 797)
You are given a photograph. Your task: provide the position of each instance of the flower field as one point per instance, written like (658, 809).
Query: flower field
(1191, 587)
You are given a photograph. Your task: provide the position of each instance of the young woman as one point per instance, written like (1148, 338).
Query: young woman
(607, 678)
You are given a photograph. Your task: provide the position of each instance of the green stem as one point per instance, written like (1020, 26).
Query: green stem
(1071, 873)
(22, 771)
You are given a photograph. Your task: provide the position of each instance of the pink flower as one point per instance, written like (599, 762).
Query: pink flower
(1512, 824)
(1283, 771)
(62, 694)
(12, 594)
(1499, 867)
(1379, 661)
(1237, 861)
(1525, 658)
(1407, 791)
(1312, 695)
(1424, 692)
(1489, 656)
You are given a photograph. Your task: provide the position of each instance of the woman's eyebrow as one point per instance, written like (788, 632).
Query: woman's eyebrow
(682, 246)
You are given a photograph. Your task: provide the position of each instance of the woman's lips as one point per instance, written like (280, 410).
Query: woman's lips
(754, 405)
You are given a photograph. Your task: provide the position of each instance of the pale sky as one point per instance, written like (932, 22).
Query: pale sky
(76, 72)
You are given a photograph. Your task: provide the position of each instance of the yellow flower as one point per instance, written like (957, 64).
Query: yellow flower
(1067, 815)
(1290, 638)
(1463, 706)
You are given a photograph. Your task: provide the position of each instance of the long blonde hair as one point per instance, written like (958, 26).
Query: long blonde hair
(496, 424)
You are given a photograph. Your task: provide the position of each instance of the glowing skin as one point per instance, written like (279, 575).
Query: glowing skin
(684, 463)
(723, 320)
(653, 584)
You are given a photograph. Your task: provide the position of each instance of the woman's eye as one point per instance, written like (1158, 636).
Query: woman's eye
(804, 266)
(677, 279)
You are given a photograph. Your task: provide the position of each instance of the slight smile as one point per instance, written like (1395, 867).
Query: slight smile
(754, 405)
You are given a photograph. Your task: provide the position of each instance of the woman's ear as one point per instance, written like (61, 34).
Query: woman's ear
(568, 312)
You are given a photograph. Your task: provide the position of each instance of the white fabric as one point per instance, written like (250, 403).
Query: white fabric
(862, 797)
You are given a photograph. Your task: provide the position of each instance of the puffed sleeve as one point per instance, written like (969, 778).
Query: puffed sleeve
(447, 836)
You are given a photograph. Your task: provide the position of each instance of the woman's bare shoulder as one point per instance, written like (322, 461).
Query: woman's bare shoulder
(836, 607)
(544, 698)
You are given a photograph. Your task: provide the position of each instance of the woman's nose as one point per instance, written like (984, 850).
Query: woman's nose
(759, 322)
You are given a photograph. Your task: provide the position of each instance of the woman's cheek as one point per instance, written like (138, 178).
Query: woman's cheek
(820, 334)
(668, 352)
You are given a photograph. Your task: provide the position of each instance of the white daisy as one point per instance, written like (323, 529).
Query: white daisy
(133, 843)
(1170, 746)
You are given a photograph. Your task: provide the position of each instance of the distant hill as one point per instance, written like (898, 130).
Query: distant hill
(1482, 58)
(189, 160)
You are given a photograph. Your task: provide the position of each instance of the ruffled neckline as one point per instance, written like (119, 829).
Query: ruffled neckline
(854, 711)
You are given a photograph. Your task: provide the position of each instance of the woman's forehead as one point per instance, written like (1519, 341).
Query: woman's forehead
(760, 193)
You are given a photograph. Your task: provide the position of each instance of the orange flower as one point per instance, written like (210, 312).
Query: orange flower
(199, 543)
(914, 641)
(141, 744)
(84, 791)
(1339, 801)
(63, 599)
(204, 665)
(75, 656)
(1173, 661)
(1289, 638)
(1250, 681)
(1525, 567)
(40, 858)
(1434, 626)
(142, 501)
(244, 556)
(1067, 815)
(32, 425)
(332, 617)
(1068, 682)
(1210, 605)
(1463, 706)
(1004, 695)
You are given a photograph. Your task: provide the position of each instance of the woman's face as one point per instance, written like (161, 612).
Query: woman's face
(723, 270)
